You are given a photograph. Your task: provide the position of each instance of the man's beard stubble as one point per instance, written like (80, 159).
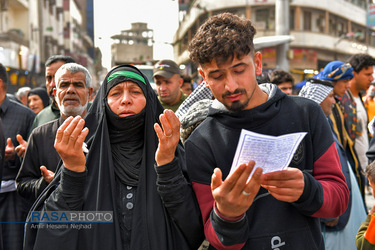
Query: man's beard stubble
(237, 106)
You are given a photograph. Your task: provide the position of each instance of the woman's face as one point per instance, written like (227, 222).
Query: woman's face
(126, 98)
(35, 103)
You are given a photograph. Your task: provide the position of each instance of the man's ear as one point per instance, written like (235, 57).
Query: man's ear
(258, 63)
(201, 72)
(91, 89)
(180, 82)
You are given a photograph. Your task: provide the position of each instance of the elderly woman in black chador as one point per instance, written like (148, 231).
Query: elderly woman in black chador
(129, 169)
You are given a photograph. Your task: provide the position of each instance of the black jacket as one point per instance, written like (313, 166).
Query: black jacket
(269, 223)
(40, 152)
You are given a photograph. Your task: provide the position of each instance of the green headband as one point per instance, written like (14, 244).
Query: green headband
(129, 74)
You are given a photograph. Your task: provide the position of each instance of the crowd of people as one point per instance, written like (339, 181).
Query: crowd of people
(161, 161)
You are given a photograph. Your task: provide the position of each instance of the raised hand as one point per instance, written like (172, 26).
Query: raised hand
(68, 143)
(47, 174)
(286, 185)
(169, 137)
(10, 152)
(21, 149)
(235, 194)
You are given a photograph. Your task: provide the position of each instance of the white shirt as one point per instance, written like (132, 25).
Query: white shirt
(361, 144)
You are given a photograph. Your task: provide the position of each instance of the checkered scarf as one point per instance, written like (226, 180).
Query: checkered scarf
(315, 91)
(200, 93)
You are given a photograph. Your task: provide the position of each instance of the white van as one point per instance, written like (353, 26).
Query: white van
(148, 71)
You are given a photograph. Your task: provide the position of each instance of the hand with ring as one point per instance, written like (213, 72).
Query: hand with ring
(245, 193)
(235, 194)
(169, 136)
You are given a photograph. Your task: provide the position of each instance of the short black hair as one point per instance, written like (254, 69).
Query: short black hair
(361, 61)
(57, 58)
(186, 78)
(188, 83)
(281, 76)
(4, 75)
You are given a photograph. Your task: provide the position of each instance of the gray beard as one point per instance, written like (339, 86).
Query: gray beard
(73, 111)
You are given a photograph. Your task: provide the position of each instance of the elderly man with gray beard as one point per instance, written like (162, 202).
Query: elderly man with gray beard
(73, 91)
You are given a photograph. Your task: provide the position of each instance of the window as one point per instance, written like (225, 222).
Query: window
(359, 33)
(342, 26)
(292, 18)
(264, 19)
(333, 25)
(318, 23)
(307, 20)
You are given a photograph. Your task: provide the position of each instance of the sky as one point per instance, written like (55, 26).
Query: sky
(112, 16)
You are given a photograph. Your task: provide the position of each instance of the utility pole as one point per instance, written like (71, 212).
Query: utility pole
(41, 33)
(282, 28)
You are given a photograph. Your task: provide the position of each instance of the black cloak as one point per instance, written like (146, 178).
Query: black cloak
(166, 214)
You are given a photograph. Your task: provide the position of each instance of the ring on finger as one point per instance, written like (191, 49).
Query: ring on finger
(245, 193)
(169, 136)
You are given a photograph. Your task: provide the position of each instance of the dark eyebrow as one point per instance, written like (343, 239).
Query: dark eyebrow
(234, 66)
(63, 82)
(214, 71)
(74, 83)
(238, 64)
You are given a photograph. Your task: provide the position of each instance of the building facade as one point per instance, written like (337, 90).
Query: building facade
(322, 32)
(133, 46)
(33, 30)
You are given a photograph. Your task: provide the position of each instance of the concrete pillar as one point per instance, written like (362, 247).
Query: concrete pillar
(282, 28)
(297, 18)
(248, 11)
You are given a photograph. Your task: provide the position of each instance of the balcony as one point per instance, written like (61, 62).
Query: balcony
(18, 4)
(14, 36)
(330, 43)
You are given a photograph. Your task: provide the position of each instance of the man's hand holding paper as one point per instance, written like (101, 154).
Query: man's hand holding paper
(273, 154)
(285, 185)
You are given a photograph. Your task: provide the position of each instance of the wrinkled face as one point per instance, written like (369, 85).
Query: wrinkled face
(35, 103)
(286, 87)
(126, 98)
(340, 87)
(328, 103)
(169, 88)
(71, 94)
(364, 78)
(24, 99)
(50, 76)
(234, 83)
